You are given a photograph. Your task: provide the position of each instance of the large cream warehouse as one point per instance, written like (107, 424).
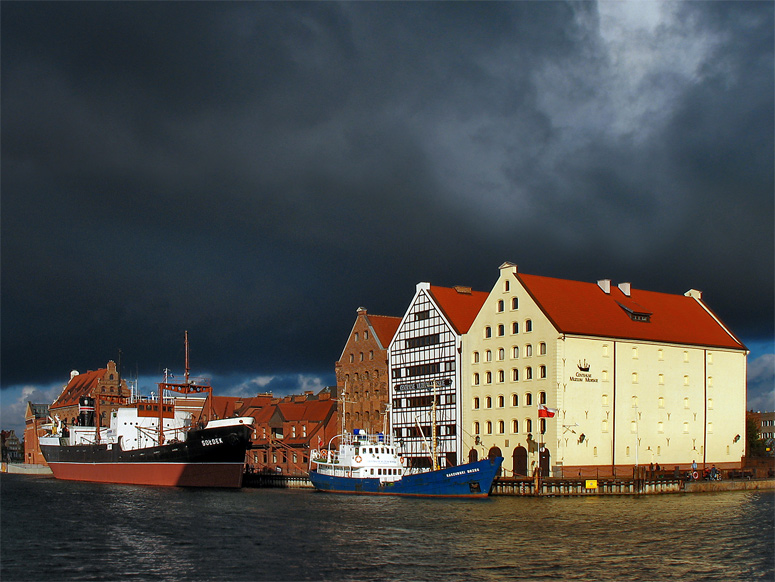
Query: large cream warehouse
(595, 378)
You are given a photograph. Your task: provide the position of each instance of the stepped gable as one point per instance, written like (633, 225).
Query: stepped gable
(79, 385)
(460, 305)
(599, 309)
(385, 327)
(36, 410)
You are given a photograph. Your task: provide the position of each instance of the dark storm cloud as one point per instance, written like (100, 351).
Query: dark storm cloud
(253, 172)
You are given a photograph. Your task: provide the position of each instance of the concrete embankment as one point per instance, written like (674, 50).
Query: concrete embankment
(25, 469)
(736, 485)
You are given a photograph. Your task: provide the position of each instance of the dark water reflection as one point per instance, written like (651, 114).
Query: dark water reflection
(54, 530)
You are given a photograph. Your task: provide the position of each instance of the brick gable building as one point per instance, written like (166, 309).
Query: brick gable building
(35, 416)
(362, 371)
(104, 385)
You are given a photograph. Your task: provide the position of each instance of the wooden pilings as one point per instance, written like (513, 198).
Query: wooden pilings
(573, 487)
(276, 480)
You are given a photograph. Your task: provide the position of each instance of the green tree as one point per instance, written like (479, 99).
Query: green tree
(755, 445)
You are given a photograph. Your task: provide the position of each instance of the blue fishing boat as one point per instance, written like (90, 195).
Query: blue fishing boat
(369, 464)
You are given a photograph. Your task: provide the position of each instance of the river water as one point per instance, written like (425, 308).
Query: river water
(57, 530)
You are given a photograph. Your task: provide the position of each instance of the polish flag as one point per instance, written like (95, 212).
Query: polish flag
(546, 412)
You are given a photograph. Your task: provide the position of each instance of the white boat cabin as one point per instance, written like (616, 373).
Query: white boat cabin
(361, 456)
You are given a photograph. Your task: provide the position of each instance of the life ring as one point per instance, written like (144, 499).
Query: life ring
(358, 458)
(401, 460)
(695, 475)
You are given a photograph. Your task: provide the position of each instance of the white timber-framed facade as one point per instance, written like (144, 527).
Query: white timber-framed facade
(424, 362)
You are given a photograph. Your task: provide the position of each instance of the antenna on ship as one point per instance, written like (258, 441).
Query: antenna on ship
(187, 368)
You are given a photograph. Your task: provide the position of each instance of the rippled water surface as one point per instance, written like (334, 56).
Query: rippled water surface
(55, 530)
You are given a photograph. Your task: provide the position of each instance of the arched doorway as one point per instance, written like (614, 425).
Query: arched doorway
(543, 461)
(473, 456)
(493, 453)
(519, 457)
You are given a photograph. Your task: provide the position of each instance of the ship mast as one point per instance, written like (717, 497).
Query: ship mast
(342, 413)
(434, 440)
(187, 368)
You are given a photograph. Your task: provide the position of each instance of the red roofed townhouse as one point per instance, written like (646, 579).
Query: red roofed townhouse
(424, 360)
(287, 428)
(104, 385)
(592, 379)
(362, 371)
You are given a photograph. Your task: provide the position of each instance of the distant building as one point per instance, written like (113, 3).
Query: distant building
(425, 364)
(11, 449)
(765, 426)
(362, 371)
(35, 416)
(104, 385)
(593, 379)
(288, 428)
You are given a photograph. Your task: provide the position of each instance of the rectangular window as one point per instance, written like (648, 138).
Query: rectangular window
(424, 369)
(422, 341)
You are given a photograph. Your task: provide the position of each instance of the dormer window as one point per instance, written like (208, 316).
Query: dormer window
(636, 312)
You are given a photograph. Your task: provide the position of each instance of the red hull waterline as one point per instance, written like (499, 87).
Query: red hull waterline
(162, 474)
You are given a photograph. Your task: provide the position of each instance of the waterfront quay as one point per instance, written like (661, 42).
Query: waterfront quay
(561, 487)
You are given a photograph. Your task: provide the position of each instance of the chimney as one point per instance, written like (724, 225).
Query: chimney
(625, 288)
(605, 285)
(694, 293)
(463, 290)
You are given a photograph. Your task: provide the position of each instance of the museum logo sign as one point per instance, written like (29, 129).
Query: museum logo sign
(583, 374)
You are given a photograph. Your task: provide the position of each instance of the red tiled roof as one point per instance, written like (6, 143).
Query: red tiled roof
(225, 406)
(584, 308)
(310, 410)
(79, 385)
(385, 326)
(460, 308)
(262, 415)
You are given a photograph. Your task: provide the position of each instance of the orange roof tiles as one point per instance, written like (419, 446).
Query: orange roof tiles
(79, 385)
(584, 308)
(460, 308)
(310, 410)
(385, 326)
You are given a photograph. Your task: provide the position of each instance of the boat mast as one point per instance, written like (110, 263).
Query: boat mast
(342, 400)
(161, 406)
(187, 368)
(434, 440)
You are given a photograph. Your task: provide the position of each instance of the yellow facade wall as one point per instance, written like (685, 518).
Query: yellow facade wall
(620, 403)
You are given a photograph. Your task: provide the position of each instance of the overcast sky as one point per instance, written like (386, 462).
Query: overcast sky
(255, 172)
